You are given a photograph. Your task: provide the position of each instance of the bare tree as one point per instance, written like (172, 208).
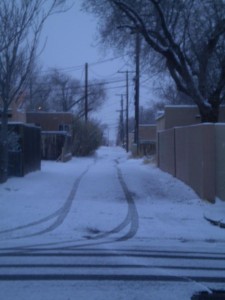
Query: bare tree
(21, 23)
(187, 37)
(38, 90)
(96, 97)
(65, 91)
(58, 91)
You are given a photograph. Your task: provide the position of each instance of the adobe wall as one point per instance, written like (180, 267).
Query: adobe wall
(182, 154)
(19, 116)
(182, 115)
(147, 132)
(160, 123)
(166, 151)
(178, 115)
(220, 161)
(195, 158)
(49, 121)
(189, 153)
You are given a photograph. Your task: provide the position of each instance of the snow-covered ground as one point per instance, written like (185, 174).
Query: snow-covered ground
(108, 201)
(71, 200)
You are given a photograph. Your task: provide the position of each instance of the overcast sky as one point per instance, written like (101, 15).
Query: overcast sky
(71, 41)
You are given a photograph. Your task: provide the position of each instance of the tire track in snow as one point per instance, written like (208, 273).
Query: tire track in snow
(131, 218)
(63, 212)
(59, 214)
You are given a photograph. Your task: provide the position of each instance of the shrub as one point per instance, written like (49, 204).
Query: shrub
(87, 137)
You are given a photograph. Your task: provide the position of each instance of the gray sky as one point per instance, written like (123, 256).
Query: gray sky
(71, 41)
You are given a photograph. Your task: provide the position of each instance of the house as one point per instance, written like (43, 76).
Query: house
(182, 115)
(56, 130)
(147, 139)
(51, 121)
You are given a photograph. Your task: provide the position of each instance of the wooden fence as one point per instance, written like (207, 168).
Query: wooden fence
(27, 157)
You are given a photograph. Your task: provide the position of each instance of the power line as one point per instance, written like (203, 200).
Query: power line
(106, 60)
(58, 89)
(80, 67)
(109, 75)
(95, 83)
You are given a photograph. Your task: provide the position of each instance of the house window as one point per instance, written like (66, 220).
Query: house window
(64, 127)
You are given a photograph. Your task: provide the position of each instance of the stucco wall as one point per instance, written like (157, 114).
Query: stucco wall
(166, 151)
(195, 158)
(19, 116)
(182, 154)
(147, 132)
(160, 123)
(220, 161)
(50, 121)
(189, 154)
(182, 115)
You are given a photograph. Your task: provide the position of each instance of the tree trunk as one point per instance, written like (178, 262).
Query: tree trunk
(4, 148)
(209, 113)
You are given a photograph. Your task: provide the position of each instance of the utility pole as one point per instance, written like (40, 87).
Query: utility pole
(86, 94)
(137, 85)
(121, 120)
(127, 111)
(127, 108)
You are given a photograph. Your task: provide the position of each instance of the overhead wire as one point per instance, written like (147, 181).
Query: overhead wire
(104, 82)
(110, 82)
(79, 67)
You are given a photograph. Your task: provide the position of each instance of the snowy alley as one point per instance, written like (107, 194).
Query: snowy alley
(106, 226)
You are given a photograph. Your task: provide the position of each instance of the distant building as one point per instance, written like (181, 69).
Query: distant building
(147, 139)
(51, 121)
(56, 128)
(182, 115)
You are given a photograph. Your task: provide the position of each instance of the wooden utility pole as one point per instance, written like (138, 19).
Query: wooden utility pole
(127, 109)
(137, 85)
(86, 93)
(121, 120)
